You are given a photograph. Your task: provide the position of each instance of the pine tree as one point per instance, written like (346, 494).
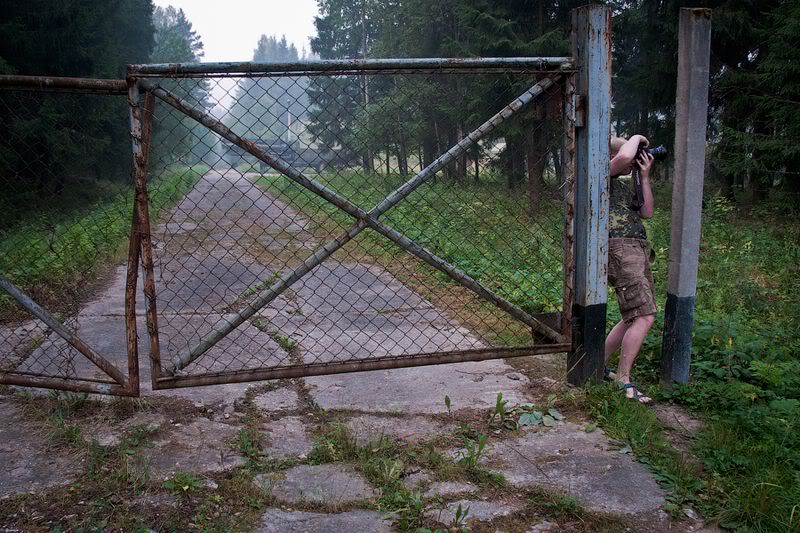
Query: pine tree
(264, 107)
(177, 137)
(53, 138)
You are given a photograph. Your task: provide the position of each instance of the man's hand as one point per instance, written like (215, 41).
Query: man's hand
(625, 158)
(645, 163)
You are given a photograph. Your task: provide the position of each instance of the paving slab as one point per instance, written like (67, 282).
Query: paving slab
(359, 520)
(106, 434)
(287, 438)
(329, 484)
(447, 489)
(416, 480)
(204, 284)
(357, 311)
(28, 463)
(412, 430)
(419, 390)
(278, 400)
(478, 511)
(580, 464)
(201, 446)
(106, 334)
(246, 347)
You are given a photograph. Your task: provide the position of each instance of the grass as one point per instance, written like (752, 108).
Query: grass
(483, 229)
(744, 384)
(54, 253)
(637, 429)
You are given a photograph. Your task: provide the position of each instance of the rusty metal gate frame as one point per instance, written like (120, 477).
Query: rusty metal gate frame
(555, 71)
(120, 385)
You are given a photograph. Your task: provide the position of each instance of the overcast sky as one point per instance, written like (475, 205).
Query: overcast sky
(230, 29)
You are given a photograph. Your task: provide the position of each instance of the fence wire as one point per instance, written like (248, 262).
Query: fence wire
(496, 213)
(65, 219)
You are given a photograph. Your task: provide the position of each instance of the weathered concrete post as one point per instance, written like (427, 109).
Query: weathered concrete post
(591, 48)
(691, 110)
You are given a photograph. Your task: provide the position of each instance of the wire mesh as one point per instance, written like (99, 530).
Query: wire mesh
(496, 213)
(65, 218)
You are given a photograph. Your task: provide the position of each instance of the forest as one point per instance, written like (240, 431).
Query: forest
(374, 132)
(753, 123)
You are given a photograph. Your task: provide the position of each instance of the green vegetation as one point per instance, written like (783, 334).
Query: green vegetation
(639, 431)
(483, 229)
(54, 253)
(745, 342)
(745, 370)
(182, 483)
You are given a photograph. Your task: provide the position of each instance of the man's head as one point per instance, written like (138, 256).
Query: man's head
(615, 144)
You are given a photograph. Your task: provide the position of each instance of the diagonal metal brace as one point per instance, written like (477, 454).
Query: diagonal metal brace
(65, 333)
(365, 219)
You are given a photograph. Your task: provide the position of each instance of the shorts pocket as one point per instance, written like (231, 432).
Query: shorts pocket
(631, 295)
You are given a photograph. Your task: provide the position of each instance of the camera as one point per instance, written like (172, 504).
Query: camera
(659, 152)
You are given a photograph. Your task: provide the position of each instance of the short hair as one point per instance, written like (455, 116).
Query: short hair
(616, 143)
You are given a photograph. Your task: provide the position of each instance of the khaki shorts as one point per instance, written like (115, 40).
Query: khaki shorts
(629, 274)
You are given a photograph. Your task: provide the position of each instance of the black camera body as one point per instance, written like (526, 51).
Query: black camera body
(659, 152)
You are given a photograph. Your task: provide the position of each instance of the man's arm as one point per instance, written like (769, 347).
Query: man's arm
(645, 163)
(621, 162)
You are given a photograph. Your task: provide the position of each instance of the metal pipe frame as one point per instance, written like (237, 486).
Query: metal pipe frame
(140, 246)
(65, 333)
(352, 67)
(224, 327)
(383, 363)
(568, 171)
(121, 385)
(51, 83)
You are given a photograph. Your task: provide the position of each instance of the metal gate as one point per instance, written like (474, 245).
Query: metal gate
(355, 215)
(331, 216)
(59, 229)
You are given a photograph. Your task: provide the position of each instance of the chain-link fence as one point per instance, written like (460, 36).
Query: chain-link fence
(391, 218)
(287, 222)
(65, 219)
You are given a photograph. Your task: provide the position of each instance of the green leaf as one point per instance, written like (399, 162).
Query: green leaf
(555, 413)
(530, 419)
(590, 427)
(548, 421)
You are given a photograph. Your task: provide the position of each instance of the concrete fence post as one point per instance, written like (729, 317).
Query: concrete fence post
(691, 111)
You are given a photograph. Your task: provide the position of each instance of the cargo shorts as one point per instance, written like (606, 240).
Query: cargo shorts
(629, 273)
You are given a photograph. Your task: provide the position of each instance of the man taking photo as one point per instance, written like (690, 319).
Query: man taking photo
(629, 255)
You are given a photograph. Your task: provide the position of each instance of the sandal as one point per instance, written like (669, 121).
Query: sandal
(637, 394)
(609, 374)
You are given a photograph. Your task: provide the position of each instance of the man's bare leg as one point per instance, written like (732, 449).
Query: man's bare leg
(614, 339)
(631, 344)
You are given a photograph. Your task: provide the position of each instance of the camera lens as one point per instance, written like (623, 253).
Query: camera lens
(659, 152)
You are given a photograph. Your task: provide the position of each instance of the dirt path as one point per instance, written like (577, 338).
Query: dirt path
(227, 236)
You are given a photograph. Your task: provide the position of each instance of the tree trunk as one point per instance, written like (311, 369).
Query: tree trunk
(461, 164)
(536, 158)
(514, 161)
(556, 155)
(367, 161)
(388, 160)
(402, 158)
